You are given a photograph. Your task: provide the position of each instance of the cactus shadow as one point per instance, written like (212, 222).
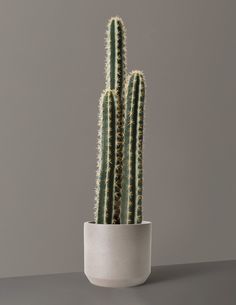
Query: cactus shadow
(177, 272)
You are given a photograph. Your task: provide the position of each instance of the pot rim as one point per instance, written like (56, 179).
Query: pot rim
(143, 223)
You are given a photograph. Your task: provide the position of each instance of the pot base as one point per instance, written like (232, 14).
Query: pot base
(117, 283)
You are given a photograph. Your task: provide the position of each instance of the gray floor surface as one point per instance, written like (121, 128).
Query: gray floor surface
(191, 284)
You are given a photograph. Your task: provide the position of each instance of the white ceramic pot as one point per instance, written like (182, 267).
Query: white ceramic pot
(117, 255)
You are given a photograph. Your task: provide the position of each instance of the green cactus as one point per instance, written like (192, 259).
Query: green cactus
(106, 157)
(120, 138)
(131, 198)
(115, 67)
(115, 80)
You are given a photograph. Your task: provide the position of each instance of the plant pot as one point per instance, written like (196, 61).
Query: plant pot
(117, 255)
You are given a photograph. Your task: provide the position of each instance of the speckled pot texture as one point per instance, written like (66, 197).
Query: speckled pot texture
(117, 255)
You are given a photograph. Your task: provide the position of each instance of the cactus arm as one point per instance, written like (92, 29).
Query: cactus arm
(106, 158)
(131, 198)
(111, 134)
(139, 151)
(115, 68)
(132, 157)
(101, 164)
(126, 152)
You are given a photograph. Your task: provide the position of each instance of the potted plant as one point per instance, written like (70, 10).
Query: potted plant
(117, 244)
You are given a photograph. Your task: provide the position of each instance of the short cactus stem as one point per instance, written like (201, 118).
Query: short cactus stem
(108, 184)
(131, 196)
(106, 158)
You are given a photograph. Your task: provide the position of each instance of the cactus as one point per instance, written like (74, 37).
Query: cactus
(131, 199)
(115, 70)
(115, 67)
(120, 137)
(106, 157)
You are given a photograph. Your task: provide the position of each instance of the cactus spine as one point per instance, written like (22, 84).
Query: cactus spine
(131, 199)
(120, 138)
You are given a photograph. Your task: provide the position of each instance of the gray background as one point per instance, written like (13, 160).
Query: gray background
(51, 76)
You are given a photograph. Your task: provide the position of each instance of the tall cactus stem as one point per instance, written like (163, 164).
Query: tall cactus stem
(115, 71)
(131, 196)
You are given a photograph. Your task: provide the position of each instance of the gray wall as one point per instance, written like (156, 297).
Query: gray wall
(51, 76)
